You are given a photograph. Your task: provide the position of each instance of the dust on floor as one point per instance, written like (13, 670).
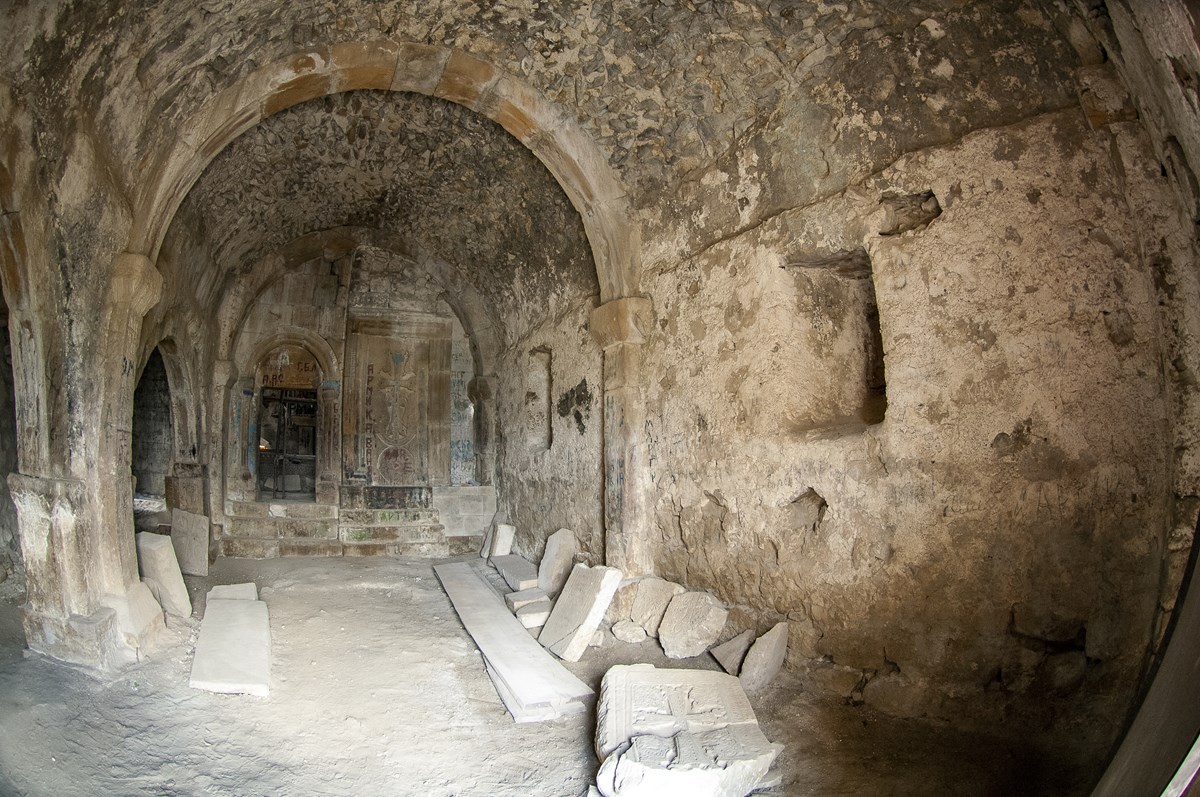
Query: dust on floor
(377, 690)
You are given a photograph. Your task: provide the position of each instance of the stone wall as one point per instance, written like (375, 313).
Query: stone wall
(998, 534)
(997, 520)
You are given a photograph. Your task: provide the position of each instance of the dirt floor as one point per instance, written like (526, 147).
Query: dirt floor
(376, 689)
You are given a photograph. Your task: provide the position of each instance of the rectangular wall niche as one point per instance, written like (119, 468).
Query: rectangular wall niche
(538, 389)
(837, 292)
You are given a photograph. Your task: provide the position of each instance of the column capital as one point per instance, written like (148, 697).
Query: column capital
(135, 282)
(626, 320)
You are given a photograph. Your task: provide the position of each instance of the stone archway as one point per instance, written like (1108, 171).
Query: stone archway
(583, 172)
(555, 139)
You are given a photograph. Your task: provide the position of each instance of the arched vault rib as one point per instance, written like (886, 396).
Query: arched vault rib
(452, 75)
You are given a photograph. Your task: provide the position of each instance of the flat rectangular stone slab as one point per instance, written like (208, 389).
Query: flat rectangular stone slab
(515, 600)
(557, 561)
(639, 699)
(156, 557)
(233, 652)
(189, 535)
(501, 540)
(579, 609)
(533, 686)
(234, 592)
(518, 571)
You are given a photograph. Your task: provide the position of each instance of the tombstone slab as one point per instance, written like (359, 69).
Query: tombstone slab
(515, 600)
(557, 561)
(692, 623)
(189, 535)
(233, 651)
(156, 556)
(731, 653)
(502, 540)
(651, 601)
(579, 609)
(765, 658)
(234, 592)
(518, 572)
(531, 683)
(678, 733)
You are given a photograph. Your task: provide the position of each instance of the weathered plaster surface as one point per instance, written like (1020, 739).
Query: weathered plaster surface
(960, 187)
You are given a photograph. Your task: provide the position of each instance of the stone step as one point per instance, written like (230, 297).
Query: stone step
(389, 517)
(299, 510)
(422, 533)
(274, 548)
(281, 528)
(461, 544)
(430, 550)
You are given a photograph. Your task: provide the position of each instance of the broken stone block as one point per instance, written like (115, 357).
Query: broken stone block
(622, 603)
(517, 571)
(629, 631)
(502, 540)
(650, 603)
(233, 651)
(692, 623)
(730, 762)
(516, 600)
(156, 557)
(678, 732)
(765, 658)
(579, 609)
(557, 561)
(598, 639)
(534, 615)
(234, 592)
(731, 653)
(189, 535)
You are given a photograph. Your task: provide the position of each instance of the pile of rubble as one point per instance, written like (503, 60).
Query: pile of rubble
(660, 731)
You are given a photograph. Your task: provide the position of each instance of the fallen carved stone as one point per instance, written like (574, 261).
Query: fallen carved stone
(579, 609)
(692, 623)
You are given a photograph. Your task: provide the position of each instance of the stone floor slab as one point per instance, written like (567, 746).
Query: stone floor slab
(233, 652)
(236, 592)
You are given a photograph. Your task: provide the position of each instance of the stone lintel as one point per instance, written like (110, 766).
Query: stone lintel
(626, 320)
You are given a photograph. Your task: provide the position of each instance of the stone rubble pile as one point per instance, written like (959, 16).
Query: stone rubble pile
(660, 733)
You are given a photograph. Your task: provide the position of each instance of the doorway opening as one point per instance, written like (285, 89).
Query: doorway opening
(150, 455)
(287, 425)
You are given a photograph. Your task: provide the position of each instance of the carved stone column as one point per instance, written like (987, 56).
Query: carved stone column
(135, 286)
(329, 443)
(620, 328)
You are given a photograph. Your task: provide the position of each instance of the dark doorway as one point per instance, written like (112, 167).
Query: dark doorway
(287, 444)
